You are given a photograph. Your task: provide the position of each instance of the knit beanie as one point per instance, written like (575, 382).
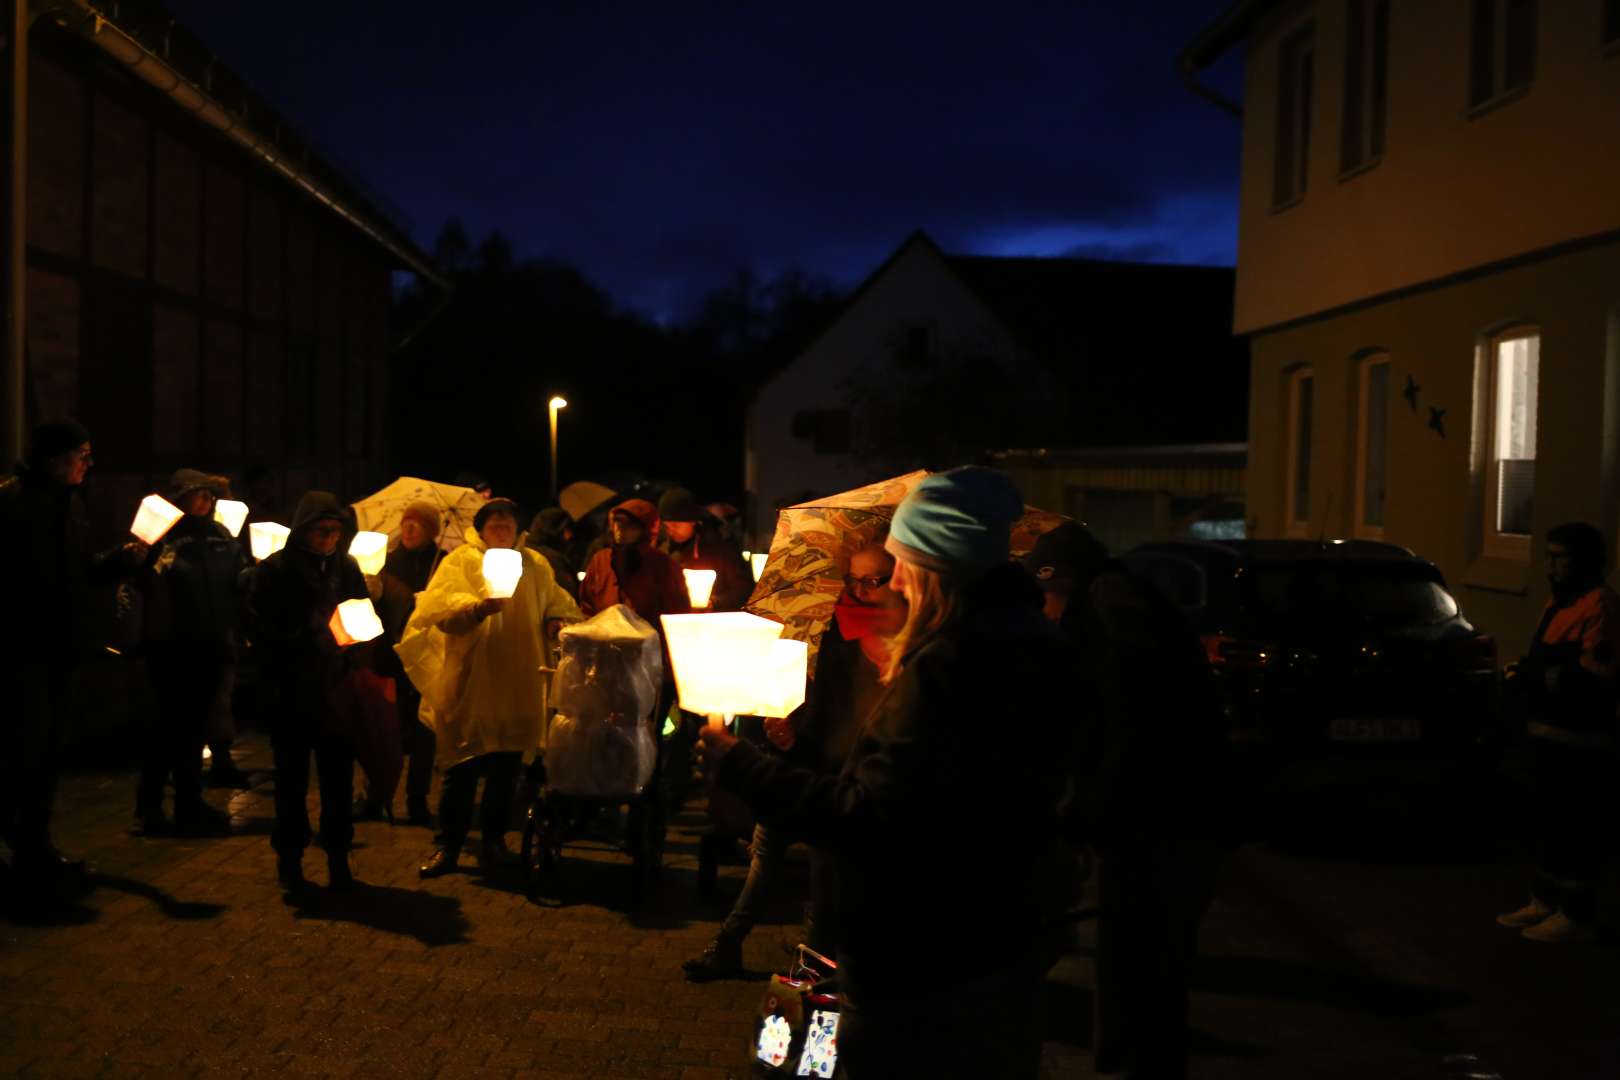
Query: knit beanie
(424, 514)
(55, 437)
(1066, 555)
(956, 521)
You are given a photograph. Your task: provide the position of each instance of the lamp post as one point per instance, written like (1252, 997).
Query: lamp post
(557, 403)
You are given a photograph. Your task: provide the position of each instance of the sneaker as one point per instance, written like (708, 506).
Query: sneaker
(721, 960)
(1557, 928)
(1529, 915)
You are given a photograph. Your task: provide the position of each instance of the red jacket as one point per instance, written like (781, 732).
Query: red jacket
(1581, 639)
(655, 588)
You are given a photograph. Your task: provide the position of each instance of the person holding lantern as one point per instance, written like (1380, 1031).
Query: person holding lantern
(294, 594)
(631, 570)
(695, 540)
(943, 820)
(44, 539)
(407, 572)
(474, 649)
(190, 635)
(853, 654)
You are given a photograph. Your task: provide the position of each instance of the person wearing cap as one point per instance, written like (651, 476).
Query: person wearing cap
(293, 596)
(631, 570)
(406, 572)
(1145, 803)
(550, 535)
(190, 634)
(1569, 682)
(694, 540)
(476, 661)
(44, 541)
(943, 819)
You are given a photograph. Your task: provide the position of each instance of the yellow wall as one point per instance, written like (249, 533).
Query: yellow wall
(1452, 191)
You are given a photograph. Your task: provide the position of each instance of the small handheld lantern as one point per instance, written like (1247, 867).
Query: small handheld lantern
(782, 682)
(502, 569)
(155, 518)
(720, 661)
(370, 550)
(758, 560)
(231, 514)
(267, 538)
(355, 621)
(699, 586)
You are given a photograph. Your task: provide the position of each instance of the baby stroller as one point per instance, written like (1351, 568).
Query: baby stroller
(602, 749)
(797, 1031)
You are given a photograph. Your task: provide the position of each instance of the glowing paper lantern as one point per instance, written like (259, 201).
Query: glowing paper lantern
(580, 575)
(699, 586)
(231, 514)
(782, 682)
(758, 560)
(719, 659)
(370, 550)
(155, 517)
(355, 621)
(266, 538)
(502, 569)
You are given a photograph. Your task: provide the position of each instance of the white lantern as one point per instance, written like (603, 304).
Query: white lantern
(231, 514)
(370, 550)
(155, 518)
(355, 621)
(580, 575)
(758, 560)
(718, 659)
(502, 569)
(699, 586)
(266, 538)
(782, 682)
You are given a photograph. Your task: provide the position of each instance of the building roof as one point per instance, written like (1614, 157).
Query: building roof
(1224, 33)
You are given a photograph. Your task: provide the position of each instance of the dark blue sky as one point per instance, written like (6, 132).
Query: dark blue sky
(662, 146)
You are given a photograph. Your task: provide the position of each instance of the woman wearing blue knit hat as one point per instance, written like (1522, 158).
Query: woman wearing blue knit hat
(942, 822)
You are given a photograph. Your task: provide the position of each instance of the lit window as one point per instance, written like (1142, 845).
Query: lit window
(1300, 388)
(1515, 361)
(1296, 68)
(1366, 78)
(1502, 49)
(1372, 446)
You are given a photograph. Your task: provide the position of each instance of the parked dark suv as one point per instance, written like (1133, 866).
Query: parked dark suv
(1333, 649)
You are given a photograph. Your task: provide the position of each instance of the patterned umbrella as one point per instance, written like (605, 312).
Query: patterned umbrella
(382, 510)
(803, 575)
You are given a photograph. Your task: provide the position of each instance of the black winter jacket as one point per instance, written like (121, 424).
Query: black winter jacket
(191, 586)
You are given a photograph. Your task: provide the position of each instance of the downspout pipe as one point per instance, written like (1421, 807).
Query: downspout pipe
(84, 19)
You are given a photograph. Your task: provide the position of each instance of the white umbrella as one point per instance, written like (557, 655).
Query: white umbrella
(382, 511)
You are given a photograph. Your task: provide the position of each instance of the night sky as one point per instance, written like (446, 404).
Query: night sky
(661, 147)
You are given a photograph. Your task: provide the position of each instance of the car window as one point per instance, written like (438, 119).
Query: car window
(1312, 593)
(1181, 581)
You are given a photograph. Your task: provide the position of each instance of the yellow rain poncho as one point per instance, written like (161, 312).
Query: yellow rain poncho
(480, 680)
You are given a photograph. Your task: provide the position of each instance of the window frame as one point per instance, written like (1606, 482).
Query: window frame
(1365, 102)
(1293, 524)
(1292, 127)
(1362, 529)
(1499, 92)
(1497, 544)
(1610, 31)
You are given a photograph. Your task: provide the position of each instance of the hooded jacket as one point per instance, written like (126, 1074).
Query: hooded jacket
(708, 549)
(480, 680)
(642, 577)
(191, 587)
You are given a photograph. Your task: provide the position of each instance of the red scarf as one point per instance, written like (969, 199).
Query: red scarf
(857, 620)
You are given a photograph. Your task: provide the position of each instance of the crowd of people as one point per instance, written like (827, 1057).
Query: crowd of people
(979, 732)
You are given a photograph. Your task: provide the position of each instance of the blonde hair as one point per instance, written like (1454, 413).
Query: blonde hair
(937, 604)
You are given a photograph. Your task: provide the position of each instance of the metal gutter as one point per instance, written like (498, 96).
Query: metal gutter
(84, 19)
(1213, 41)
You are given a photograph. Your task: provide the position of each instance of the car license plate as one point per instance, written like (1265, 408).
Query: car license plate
(1376, 729)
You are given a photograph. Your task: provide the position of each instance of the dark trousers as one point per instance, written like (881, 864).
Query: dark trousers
(31, 743)
(1151, 897)
(186, 683)
(500, 772)
(1574, 812)
(767, 855)
(292, 740)
(417, 741)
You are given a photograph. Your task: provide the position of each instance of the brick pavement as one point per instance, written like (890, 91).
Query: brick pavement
(186, 960)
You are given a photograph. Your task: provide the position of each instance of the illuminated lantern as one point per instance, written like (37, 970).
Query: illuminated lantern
(370, 550)
(699, 586)
(266, 538)
(355, 621)
(719, 659)
(502, 569)
(580, 575)
(759, 559)
(156, 517)
(231, 514)
(782, 682)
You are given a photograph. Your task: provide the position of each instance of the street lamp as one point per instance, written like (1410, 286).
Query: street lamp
(557, 402)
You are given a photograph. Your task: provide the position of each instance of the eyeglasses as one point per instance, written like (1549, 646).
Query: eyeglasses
(876, 581)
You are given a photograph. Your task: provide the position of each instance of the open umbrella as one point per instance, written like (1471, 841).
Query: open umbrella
(583, 496)
(803, 574)
(381, 511)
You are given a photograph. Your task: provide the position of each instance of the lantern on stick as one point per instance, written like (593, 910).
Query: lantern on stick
(155, 518)
(699, 586)
(231, 514)
(370, 550)
(502, 569)
(721, 661)
(355, 621)
(781, 684)
(266, 538)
